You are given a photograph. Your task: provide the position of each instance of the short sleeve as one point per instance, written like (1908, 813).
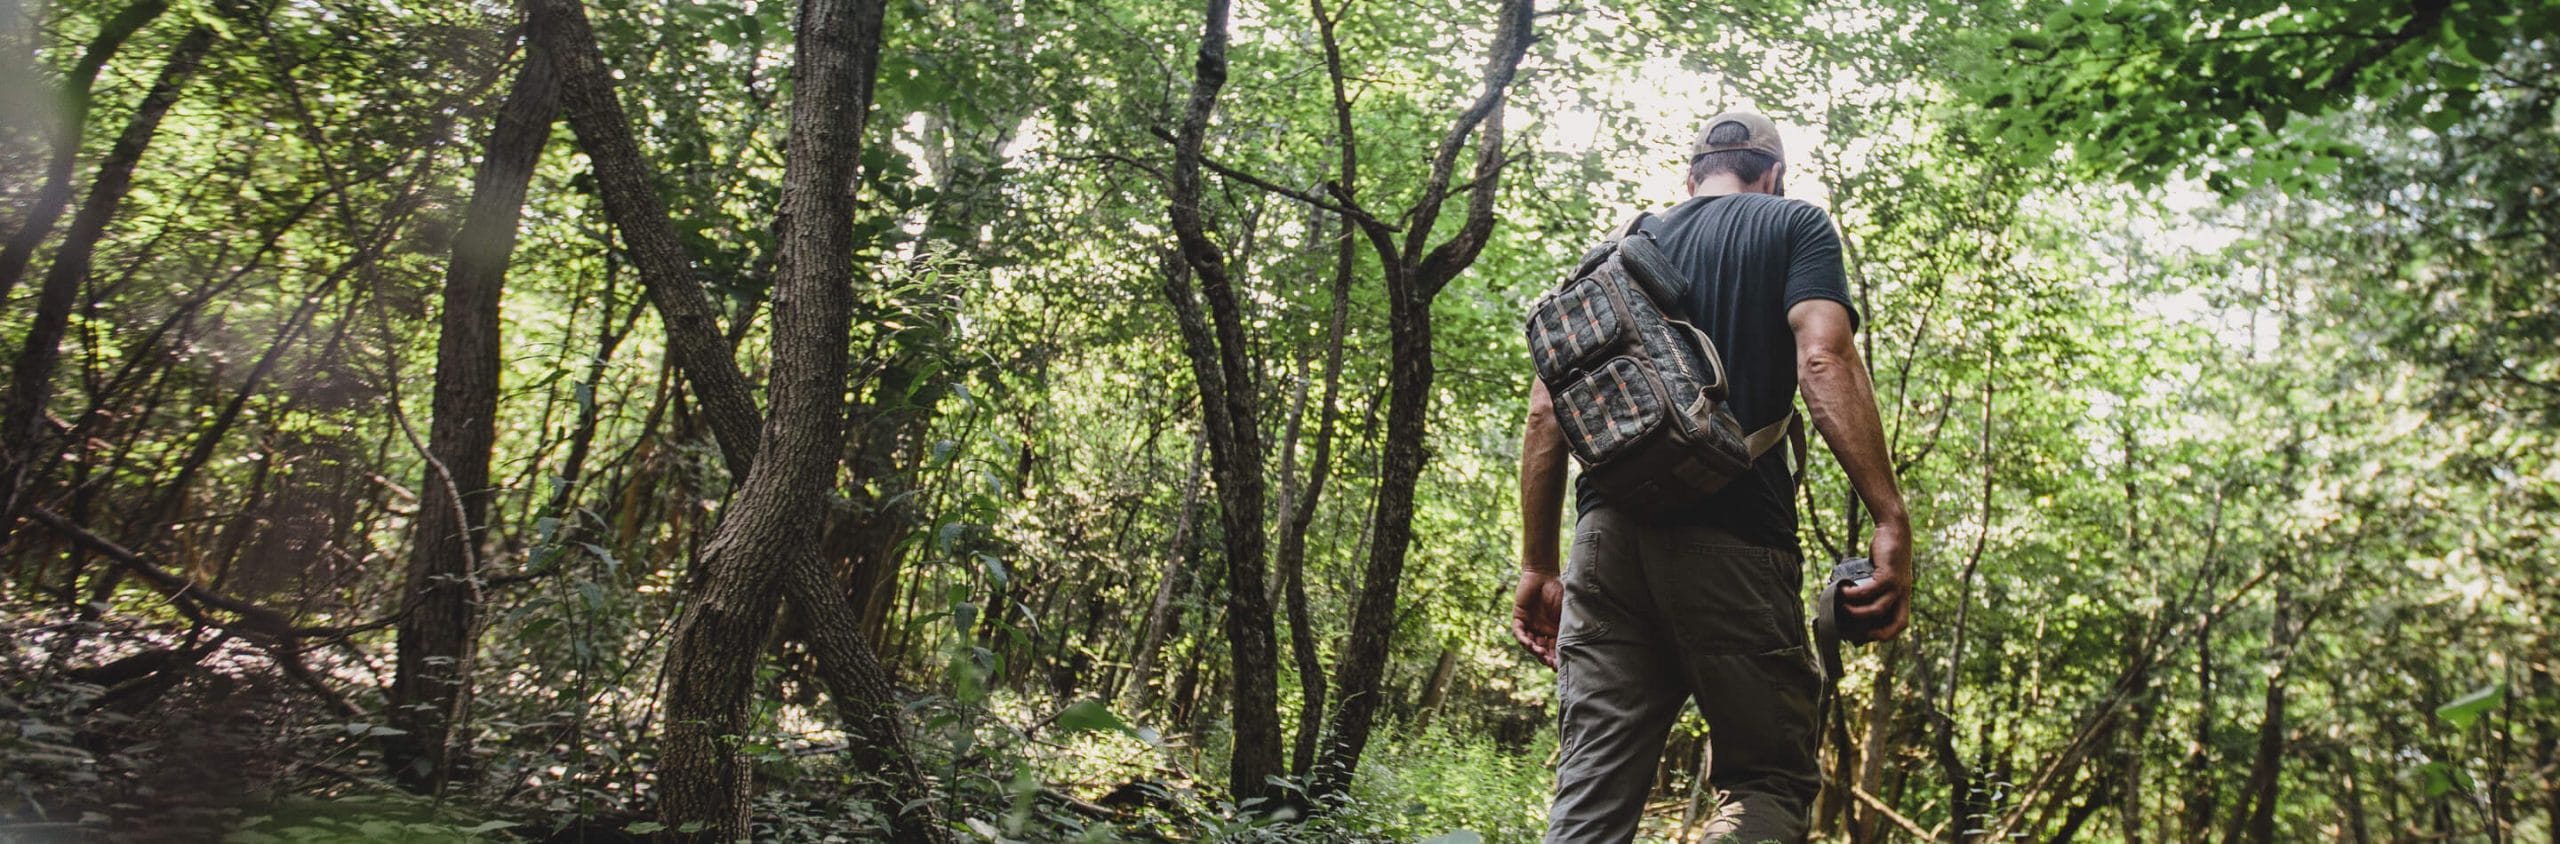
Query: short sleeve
(1813, 265)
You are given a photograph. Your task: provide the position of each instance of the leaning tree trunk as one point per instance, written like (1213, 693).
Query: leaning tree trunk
(626, 186)
(31, 384)
(713, 781)
(773, 522)
(55, 195)
(432, 679)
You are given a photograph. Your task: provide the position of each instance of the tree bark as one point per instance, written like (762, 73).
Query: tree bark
(712, 663)
(434, 653)
(31, 383)
(55, 196)
(1413, 279)
(1160, 612)
(772, 524)
(1229, 396)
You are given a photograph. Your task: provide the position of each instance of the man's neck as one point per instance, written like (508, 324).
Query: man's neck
(1722, 184)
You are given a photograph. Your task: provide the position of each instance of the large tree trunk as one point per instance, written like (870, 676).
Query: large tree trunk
(1229, 397)
(22, 424)
(435, 649)
(773, 522)
(703, 781)
(55, 196)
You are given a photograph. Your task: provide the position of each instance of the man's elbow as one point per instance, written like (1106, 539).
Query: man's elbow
(1542, 408)
(1825, 362)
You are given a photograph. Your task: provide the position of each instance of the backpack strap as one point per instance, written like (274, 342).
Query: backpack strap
(1631, 226)
(1790, 429)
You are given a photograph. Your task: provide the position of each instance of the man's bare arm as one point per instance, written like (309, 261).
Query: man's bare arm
(1538, 607)
(1542, 456)
(1843, 404)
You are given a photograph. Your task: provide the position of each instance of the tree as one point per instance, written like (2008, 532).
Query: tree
(442, 590)
(766, 539)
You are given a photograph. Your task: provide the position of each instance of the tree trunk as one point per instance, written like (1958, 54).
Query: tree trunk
(1219, 362)
(1300, 510)
(1435, 693)
(866, 543)
(1414, 278)
(432, 679)
(769, 527)
(1364, 659)
(55, 196)
(1880, 735)
(631, 201)
(772, 524)
(2253, 820)
(1160, 613)
(22, 428)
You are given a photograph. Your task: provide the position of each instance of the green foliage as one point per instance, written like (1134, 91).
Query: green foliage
(2215, 345)
(2143, 90)
(345, 820)
(2461, 712)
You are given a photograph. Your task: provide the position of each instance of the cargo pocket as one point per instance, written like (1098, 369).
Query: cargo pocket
(1730, 600)
(1585, 605)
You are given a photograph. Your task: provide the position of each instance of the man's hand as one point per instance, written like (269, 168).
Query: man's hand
(1843, 404)
(1535, 612)
(1884, 603)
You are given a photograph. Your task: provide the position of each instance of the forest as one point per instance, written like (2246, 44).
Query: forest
(1100, 420)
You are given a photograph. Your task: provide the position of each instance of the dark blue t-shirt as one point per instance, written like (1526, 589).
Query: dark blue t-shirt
(1748, 258)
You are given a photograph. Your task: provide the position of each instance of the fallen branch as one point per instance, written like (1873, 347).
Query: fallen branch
(252, 617)
(1897, 818)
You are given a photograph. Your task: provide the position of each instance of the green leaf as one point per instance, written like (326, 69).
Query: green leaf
(1087, 716)
(1459, 836)
(2466, 709)
(645, 827)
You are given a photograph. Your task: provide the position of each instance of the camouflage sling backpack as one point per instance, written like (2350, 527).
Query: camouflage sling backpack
(1639, 392)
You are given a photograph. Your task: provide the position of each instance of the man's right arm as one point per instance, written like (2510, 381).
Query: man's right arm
(1538, 606)
(1843, 405)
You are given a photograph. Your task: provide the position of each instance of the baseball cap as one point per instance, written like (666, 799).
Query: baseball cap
(1759, 135)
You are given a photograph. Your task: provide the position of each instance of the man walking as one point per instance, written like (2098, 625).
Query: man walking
(1705, 603)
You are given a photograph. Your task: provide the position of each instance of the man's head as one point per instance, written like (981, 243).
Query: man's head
(1738, 152)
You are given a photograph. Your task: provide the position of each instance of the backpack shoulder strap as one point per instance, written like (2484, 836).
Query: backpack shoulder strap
(1790, 429)
(1631, 226)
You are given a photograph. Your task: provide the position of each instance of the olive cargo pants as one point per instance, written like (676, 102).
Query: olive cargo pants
(1655, 616)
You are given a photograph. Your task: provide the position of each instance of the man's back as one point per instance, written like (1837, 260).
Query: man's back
(1748, 257)
(1652, 615)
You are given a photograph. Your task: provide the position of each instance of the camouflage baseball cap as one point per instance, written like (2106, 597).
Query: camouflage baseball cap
(1759, 135)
